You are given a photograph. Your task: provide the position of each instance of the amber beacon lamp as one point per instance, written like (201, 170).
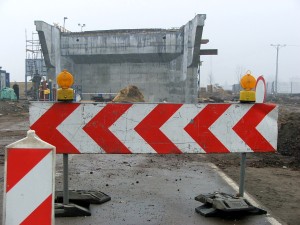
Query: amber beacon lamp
(248, 83)
(65, 81)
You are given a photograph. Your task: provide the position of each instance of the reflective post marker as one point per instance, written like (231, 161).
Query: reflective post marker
(29, 182)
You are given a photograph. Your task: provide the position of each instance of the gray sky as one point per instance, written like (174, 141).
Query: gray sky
(241, 30)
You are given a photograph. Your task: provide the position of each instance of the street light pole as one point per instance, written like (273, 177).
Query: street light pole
(83, 25)
(65, 18)
(278, 46)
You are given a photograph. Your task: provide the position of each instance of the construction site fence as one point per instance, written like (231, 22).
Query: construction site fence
(284, 87)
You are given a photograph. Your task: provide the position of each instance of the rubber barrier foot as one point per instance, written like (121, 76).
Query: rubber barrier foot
(225, 205)
(70, 210)
(81, 197)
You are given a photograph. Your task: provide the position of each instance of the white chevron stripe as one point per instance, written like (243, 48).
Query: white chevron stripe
(37, 109)
(123, 128)
(222, 128)
(268, 127)
(72, 126)
(30, 191)
(174, 128)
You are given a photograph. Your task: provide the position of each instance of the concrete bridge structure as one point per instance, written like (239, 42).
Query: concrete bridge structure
(162, 63)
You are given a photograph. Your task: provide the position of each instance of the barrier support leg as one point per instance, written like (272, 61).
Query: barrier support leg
(242, 174)
(75, 203)
(214, 203)
(66, 179)
(65, 209)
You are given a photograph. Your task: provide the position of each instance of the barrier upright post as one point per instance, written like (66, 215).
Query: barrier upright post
(242, 174)
(66, 181)
(29, 182)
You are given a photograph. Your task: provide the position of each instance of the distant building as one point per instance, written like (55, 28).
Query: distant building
(236, 88)
(4, 79)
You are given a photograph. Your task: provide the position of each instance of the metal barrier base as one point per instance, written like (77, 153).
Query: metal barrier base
(79, 202)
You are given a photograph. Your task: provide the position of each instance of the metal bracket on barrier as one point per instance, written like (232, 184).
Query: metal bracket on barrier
(222, 204)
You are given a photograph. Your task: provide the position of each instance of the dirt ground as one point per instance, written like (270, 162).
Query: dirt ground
(273, 179)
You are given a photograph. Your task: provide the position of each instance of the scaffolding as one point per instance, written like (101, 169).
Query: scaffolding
(35, 68)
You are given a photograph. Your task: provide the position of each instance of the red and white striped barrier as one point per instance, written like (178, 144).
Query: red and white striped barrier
(156, 128)
(29, 182)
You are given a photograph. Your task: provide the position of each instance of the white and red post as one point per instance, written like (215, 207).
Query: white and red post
(29, 182)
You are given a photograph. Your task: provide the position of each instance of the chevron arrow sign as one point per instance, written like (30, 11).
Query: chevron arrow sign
(164, 128)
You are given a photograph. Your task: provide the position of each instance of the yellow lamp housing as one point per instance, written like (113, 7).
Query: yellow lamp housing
(248, 82)
(65, 94)
(65, 81)
(247, 96)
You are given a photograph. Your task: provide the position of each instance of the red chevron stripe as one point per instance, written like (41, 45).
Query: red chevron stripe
(148, 128)
(45, 127)
(198, 128)
(41, 215)
(98, 128)
(24, 160)
(246, 128)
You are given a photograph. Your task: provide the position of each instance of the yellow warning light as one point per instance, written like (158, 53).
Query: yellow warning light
(248, 82)
(65, 81)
